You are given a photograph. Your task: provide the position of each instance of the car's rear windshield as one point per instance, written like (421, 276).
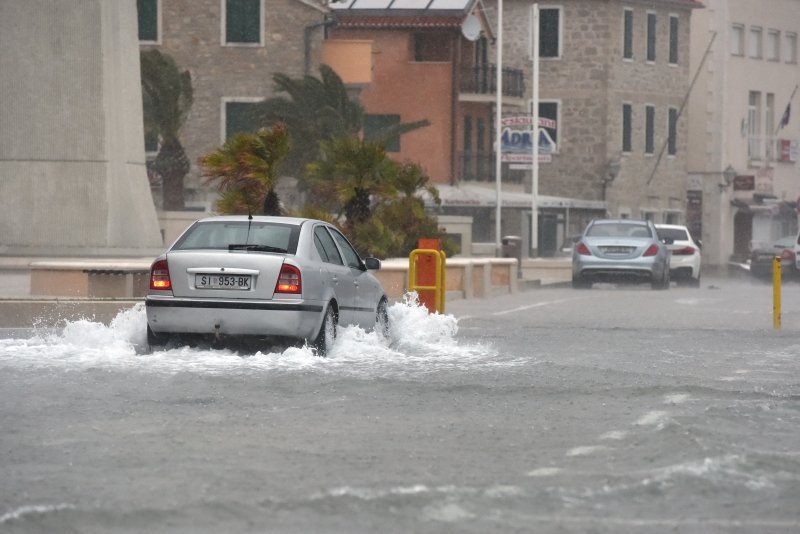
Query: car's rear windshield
(255, 236)
(676, 234)
(618, 230)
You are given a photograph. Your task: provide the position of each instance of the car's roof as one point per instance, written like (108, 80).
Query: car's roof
(258, 218)
(637, 222)
(672, 226)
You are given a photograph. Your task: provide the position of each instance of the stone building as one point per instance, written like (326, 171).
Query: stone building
(232, 48)
(614, 74)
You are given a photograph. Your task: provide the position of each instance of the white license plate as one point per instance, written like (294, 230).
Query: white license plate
(222, 281)
(617, 250)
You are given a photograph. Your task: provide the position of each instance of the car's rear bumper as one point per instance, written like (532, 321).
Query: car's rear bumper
(637, 269)
(684, 267)
(295, 318)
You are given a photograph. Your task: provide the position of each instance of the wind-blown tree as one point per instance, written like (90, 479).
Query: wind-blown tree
(246, 170)
(317, 110)
(167, 98)
(349, 173)
(379, 201)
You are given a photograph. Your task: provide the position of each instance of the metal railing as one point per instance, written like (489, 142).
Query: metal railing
(482, 80)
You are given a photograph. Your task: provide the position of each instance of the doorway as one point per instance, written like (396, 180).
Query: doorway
(742, 235)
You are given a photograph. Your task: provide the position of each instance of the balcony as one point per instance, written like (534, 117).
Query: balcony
(480, 167)
(479, 83)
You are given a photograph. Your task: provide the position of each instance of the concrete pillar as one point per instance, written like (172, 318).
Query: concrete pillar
(72, 165)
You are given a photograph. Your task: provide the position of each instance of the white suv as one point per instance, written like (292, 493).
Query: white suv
(684, 260)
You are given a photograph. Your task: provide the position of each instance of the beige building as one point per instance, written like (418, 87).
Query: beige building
(746, 79)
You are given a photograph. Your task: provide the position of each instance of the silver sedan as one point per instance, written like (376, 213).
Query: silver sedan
(620, 250)
(262, 277)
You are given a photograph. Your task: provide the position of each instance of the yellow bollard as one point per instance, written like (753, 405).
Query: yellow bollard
(776, 293)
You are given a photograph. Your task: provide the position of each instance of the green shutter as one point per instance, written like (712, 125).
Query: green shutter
(147, 11)
(242, 21)
(375, 127)
(239, 118)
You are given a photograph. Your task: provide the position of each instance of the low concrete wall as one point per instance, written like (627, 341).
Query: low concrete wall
(464, 277)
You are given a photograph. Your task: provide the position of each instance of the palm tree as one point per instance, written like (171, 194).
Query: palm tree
(247, 168)
(350, 172)
(317, 110)
(167, 97)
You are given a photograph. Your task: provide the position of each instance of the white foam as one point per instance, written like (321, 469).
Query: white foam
(418, 341)
(614, 435)
(676, 398)
(34, 509)
(585, 450)
(654, 417)
(544, 472)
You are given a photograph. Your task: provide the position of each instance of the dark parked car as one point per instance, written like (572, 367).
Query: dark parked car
(761, 259)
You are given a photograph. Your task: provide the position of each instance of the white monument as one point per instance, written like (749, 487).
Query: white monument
(72, 164)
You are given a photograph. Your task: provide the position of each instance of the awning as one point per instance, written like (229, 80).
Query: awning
(481, 197)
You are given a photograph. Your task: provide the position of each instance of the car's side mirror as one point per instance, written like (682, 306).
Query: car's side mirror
(373, 264)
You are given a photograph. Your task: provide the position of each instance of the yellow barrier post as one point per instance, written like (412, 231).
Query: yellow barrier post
(776, 293)
(430, 286)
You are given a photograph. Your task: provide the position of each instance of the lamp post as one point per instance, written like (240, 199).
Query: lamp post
(729, 175)
(612, 171)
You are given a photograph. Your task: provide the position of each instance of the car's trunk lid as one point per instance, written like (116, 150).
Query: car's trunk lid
(224, 274)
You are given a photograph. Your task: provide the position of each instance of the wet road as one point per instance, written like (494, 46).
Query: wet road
(555, 410)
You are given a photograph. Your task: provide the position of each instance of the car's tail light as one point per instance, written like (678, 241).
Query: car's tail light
(159, 276)
(289, 280)
(685, 251)
(652, 250)
(582, 249)
(788, 254)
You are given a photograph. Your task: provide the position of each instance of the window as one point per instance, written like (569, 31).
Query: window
(147, 12)
(774, 45)
(325, 246)
(755, 42)
(737, 40)
(754, 125)
(242, 22)
(791, 47)
(672, 133)
(350, 255)
(550, 32)
(151, 141)
(649, 129)
(651, 37)
(375, 129)
(549, 110)
(239, 117)
(431, 47)
(673, 39)
(627, 137)
(627, 38)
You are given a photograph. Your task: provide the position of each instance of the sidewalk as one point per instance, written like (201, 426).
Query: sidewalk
(34, 292)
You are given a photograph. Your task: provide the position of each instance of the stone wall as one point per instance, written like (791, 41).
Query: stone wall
(192, 35)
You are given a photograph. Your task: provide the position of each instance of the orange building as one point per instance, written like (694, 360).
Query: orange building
(413, 60)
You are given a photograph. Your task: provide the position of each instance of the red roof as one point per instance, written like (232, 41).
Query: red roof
(398, 22)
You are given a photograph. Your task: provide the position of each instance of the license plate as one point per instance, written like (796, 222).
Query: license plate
(222, 281)
(616, 250)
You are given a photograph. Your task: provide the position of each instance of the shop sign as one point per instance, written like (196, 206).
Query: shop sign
(789, 150)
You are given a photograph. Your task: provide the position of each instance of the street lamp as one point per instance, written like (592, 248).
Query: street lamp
(729, 175)
(612, 171)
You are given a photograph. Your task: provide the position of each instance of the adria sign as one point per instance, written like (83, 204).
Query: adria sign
(516, 137)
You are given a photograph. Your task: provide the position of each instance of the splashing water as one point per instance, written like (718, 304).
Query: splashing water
(418, 341)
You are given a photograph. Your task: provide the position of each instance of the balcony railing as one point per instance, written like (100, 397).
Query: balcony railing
(480, 167)
(482, 80)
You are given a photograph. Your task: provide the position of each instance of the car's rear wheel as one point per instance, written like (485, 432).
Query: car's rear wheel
(382, 319)
(581, 283)
(663, 283)
(327, 332)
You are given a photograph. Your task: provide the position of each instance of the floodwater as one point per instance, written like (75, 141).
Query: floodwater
(517, 419)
